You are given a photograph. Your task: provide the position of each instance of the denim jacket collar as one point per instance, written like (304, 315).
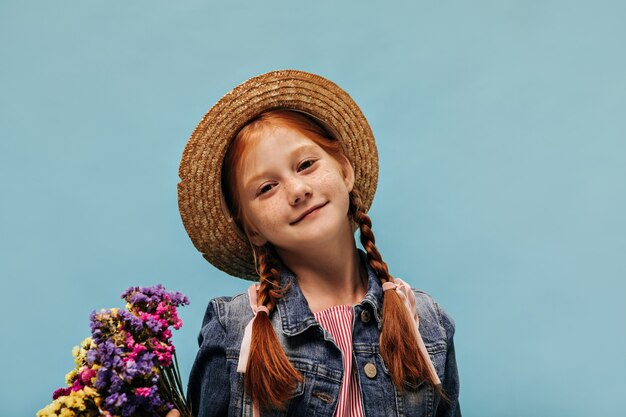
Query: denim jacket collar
(295, 314)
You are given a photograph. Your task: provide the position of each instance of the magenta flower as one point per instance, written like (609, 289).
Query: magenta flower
(144, 392)
(61, 392)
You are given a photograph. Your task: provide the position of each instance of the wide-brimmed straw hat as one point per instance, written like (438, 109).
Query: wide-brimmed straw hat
(200, 200)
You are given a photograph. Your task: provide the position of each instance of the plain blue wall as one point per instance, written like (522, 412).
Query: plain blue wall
(501, 132)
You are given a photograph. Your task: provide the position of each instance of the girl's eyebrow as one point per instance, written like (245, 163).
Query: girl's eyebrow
(292, 154)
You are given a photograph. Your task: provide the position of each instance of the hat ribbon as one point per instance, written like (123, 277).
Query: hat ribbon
(408, 299)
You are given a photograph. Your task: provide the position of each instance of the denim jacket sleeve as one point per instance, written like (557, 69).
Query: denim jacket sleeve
(210, 369)
(450, 383)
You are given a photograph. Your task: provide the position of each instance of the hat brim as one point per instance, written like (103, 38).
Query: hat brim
(200, 198)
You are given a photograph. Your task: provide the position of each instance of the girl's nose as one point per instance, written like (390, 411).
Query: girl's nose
(299, 191)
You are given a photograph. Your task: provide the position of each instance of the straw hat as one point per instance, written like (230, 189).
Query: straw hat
(200, 199)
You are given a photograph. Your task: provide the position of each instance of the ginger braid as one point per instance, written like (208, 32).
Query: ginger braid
(398, 346)
(270, 377)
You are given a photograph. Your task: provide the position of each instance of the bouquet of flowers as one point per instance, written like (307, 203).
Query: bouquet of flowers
(128, 366)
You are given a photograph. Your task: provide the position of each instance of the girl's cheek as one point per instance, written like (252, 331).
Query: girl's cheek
(267, 211)
(333, 180)
(326, 178)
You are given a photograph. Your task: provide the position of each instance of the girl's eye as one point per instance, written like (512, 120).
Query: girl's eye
(306, 164)
(265, 188)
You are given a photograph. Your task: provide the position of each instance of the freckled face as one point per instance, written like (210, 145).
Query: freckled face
(292, 193)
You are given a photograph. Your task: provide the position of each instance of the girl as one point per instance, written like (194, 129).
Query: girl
(274, 181)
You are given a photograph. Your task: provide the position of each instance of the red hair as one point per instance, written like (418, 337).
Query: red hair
(271, 378)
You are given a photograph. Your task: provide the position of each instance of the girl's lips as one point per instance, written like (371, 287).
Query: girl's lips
(309, 211)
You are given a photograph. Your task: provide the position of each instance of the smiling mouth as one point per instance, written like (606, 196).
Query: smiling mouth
(305, 214)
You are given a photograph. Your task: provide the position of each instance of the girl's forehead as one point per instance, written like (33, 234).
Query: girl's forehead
(276, 140)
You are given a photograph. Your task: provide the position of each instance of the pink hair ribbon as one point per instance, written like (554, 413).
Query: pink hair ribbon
(244, 351)
(408, 298)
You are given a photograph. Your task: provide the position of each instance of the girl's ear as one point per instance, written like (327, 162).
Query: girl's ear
(348, 172)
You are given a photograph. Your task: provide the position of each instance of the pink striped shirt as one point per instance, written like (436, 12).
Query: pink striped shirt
(337, 320)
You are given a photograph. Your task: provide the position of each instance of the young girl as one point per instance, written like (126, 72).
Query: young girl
(274, 181)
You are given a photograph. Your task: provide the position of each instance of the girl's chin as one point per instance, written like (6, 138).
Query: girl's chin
(319, 237)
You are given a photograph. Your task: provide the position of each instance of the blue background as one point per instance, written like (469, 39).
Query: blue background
(501, 133)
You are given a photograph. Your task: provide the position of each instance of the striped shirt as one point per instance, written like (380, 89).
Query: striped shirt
(337, 320)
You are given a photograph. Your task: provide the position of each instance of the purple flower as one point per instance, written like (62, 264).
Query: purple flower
(115, 401)
(92, 355)
(130, 321)
(147, 299)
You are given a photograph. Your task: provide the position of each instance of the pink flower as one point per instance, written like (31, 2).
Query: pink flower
(77, 385)
(144, 392)
(161, 308)
(86, 375)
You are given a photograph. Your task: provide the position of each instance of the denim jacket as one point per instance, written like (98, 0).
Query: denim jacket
(217, 389)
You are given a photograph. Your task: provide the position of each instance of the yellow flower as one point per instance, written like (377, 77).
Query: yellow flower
(90, 392)
(49, 410)
(88, 343)
(80, 352)
(71, 376)
(67, 413)
(82, 403)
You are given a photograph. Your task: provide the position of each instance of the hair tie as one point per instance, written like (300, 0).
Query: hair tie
(261, 308)
(408, 299)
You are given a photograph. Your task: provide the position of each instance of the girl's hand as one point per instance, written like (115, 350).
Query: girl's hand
(173, 413)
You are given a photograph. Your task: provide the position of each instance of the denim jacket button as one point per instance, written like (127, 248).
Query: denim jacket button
(370, 370)
(365, 316)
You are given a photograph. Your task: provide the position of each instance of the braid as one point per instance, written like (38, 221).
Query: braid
(270, 377)
(398, 346)
(367, 236)
(269, 278)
